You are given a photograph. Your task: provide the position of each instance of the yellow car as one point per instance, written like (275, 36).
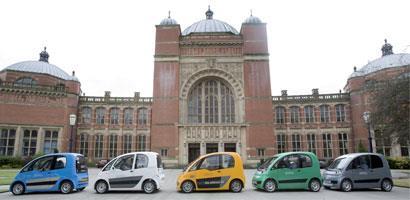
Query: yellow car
(215, 171)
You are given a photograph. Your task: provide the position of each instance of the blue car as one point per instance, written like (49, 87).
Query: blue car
(62, 172)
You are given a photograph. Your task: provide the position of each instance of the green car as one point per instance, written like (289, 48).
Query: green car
(291, 170)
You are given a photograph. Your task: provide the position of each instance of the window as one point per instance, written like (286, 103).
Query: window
(227, 161)
(311, 140)
(309, 114)
(211, 101)
(50, 141)
(361, 162)
(141, 143)
(290, 161)
(376, 162)
(296, 142)
(41, 164)
(84, 144)
(86, 115)
(81, 164)
(124, 163)
(7, 139)
(294, 114)
(210, 163)
(340, 113)
(305, 161)
(99, 146)
(164, 152)
(142, 117)
(327, 145)
(109, 165)
(126, 143)
(25, 82)
(343, 143)
(100, 114)
(61, 162)
(114, 116)
(261, 152)
(128, 116)
(29, 142)
(280, 115)
(113, 146)
(281, 142)
(324, 113)
(142, 161)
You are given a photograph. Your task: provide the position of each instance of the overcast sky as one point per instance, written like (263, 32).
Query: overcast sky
(110, 44)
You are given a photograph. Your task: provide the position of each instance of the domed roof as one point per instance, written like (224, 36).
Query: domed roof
(252, 20)
(388, 61)
(168, 20)
(42, 67)
(210, 25)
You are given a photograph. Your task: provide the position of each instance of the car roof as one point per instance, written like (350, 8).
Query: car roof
(234, 154)
(354, 155)
(294, 152)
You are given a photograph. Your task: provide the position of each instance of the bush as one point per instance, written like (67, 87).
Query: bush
(399, 162)
(11, 162)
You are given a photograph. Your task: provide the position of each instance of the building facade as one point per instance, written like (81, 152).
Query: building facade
(211, 93)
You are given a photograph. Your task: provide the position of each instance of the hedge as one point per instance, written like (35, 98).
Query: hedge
(11, 162)
(399, 162)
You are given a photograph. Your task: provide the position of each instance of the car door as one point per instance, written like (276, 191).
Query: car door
(122, 174)
(208, 176)
(359, 171)
(305, 171)
(141, 169)
(39, 176)
(287, 172)
(376, 172)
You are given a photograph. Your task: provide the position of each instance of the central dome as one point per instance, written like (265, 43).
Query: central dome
(210, 25)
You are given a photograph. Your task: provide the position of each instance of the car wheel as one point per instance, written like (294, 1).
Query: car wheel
(346, 185)
(18, 189)
(235, 186)
(101, 187)
(149, 186)
(314, 185)
(66, 187)
(269, 186)
(386, 185)
(187, 187)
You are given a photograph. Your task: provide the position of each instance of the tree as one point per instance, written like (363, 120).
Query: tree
(390, 100)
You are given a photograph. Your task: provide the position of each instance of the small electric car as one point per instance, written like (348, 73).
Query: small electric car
(215, 171)
(358, 170)
(131, 171)
(291, 170)
(62, 172)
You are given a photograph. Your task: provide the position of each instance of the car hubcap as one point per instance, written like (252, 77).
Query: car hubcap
(315, 185)
(347, 186)
(187, 187)
(236, 186)
(66, 187)
(386, 185)
(149, 187)
(101, 187)
(18, 189)
(270, 186)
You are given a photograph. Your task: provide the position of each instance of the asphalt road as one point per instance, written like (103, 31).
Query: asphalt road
(168, 191)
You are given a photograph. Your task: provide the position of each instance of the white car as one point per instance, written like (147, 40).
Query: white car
(131, 171)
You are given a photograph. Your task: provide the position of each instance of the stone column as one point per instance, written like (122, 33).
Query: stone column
(40, 141)
(18, 143)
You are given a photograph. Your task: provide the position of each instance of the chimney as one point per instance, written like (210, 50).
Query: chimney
(284, 93)
(315, 91)
(73, 74)
(354, 68)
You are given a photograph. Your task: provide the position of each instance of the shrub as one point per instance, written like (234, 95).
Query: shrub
(11, 162)
(399, 162)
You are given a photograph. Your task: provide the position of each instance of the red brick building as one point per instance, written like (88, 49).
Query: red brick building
(211, 93)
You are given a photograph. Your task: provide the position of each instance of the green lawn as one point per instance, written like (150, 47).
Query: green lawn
(7, 175)
(402, 182)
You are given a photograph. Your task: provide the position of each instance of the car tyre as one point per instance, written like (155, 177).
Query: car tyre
(187, 187)
(101, 187)
(235, 186)
(386, 185)
(18, 189)
(314, 185)
(66, 187)
(149, 186)
(270, 185)
(346, 185)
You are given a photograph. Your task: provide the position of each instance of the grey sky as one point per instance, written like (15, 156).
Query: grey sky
(110, 44)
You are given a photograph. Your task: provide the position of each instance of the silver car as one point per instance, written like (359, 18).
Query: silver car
(358, 170)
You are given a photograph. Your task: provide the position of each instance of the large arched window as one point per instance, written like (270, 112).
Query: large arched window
(86, 115)
(211, 101)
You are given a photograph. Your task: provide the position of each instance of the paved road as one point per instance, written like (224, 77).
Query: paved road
(168, 192)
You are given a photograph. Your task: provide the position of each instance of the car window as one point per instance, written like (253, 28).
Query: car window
(42, 164)
(142, 161)
(376, 162)
(124, 163)
(81, 164)
(290, 161)
(227, 161)
(195, 165)
(109, 165)
(305, 161)
(211, 162)
(60, 162)
(361, 162)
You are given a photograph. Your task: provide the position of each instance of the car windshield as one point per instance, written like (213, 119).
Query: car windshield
(267, 163)
(338, 163)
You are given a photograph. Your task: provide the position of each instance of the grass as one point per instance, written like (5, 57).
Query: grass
(7, 175)
(402, 182)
